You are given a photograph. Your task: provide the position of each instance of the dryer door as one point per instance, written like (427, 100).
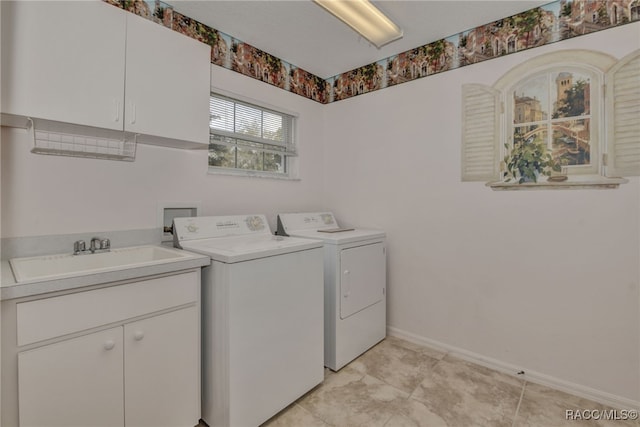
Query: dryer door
(362, 277)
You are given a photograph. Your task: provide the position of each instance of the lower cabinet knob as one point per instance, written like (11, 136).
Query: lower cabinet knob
(108, 345)
(138, 335)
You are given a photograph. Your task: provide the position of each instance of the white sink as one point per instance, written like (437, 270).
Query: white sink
(47, 267)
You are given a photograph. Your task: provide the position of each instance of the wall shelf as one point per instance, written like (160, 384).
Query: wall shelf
(62, 139)
(574, 182)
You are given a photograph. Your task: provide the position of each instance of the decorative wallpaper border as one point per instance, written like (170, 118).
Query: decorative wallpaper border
(553, 22)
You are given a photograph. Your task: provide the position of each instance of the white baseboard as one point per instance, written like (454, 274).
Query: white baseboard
(509, 369)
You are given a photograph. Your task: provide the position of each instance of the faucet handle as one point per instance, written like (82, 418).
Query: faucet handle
(79, 246)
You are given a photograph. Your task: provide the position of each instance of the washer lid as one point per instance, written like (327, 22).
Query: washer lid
(232, 239)
(323, 226)
(244, 248)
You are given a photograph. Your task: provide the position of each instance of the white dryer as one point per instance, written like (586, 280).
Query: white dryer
(354, 283)
(262, 306)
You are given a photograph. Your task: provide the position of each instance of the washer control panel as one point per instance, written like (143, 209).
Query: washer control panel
(207, 227)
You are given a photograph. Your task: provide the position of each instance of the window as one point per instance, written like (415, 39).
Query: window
(554, 108)
(248, 139)
(582, 107)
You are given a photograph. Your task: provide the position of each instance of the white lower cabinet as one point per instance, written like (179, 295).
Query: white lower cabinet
(142, 368)
(159, 374)
(77, 382)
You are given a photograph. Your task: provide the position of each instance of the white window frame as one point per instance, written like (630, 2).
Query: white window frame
(596, 115)
(487, 114)
(290, 158)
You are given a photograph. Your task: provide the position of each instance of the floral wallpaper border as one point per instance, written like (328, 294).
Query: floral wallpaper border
(553, 22)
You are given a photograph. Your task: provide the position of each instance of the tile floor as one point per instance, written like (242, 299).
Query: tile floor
(398, 384)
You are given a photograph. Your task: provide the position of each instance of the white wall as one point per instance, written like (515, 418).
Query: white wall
(50, 195)
(543, 280)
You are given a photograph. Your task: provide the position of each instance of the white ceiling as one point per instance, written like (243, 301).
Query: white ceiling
(302, 33)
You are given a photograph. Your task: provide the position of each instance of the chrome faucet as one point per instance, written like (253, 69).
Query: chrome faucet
(104, 245)
(79, 247)
(98, 244)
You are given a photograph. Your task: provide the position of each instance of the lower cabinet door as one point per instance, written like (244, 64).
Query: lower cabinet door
(77, 382)
(162, 370)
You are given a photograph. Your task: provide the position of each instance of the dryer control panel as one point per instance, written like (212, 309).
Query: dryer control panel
(287, 223)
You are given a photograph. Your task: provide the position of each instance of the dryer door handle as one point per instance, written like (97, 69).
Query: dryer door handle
(346, 287)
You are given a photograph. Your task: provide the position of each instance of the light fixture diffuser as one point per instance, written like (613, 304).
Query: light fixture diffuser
(364, 18)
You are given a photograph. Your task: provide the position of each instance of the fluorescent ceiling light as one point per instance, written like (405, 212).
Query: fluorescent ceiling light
(365, 19)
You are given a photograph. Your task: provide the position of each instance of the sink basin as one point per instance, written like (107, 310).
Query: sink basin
(47, 267)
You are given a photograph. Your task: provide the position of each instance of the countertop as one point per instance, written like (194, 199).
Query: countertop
(10, 289)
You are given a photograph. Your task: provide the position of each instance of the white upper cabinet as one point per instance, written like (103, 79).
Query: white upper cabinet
(167, 83)
(93, 64)
(64, 61)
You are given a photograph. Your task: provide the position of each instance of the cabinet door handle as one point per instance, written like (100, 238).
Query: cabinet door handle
(133, 113)
(117, 111)
(138, 335)
(109, 345)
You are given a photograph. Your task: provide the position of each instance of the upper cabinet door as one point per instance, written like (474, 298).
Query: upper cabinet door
(167, 83)
(64, 61)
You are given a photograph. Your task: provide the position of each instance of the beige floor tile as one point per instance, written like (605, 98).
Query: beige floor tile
(413, 413)
(390, 361)
(351, 398)
(464, 394)
(542, 406)
(484, 372)
(401, 384)
(436, 354)
(295, 416)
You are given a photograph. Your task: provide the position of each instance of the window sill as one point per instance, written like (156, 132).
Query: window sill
(574, 182)
(212, 170)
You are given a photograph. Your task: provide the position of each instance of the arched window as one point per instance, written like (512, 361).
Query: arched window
(557, 102)
(553, 107)
(634, 7)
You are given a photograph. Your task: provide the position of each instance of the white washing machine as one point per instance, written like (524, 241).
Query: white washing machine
(262, 305)
(354, 283)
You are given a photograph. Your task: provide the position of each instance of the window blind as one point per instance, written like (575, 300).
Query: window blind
(249, 137)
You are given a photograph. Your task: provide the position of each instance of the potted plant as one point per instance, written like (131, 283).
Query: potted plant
(527, 160)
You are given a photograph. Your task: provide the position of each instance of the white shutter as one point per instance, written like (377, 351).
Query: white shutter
(480, 133)
(623, 117)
